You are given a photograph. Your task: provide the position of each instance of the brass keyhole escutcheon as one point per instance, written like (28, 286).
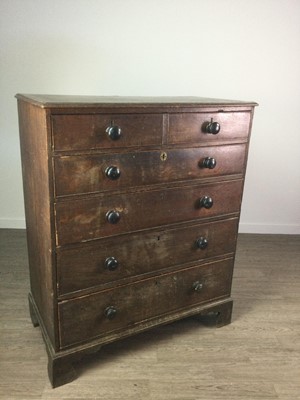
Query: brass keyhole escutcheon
(163, 156)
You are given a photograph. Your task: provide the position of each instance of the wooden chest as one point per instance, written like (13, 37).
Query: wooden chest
(132, 209)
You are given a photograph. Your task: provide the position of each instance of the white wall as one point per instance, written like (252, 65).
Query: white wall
(237, 49)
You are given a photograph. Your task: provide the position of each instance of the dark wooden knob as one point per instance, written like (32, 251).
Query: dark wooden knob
(206, 202)
(202, 243)
(209, 162)
(197, 286)
(111, 263)
(113, 173)
(110, 312)
(213, 127)
(113, 217)
(114, 132)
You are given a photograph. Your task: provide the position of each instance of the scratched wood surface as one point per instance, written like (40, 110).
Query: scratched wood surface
(257, 356)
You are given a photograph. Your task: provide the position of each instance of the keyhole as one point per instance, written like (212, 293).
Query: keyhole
(163, 156)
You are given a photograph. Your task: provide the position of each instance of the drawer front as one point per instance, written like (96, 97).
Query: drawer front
(88, 317)
(85, 132)
(110, 260)
(191, 127)
(95, 173)
(85, 219)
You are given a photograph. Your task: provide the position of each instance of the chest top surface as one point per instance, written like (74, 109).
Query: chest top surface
(65, 101)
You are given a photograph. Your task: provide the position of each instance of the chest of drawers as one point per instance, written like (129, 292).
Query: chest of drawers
(132, 208)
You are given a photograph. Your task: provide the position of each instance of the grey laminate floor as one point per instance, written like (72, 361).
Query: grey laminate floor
(256, 357)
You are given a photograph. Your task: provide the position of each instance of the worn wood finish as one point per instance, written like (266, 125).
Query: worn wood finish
(83, 266)
(87, 219)
(85, 132)
(34, 143)
(84, 318)
(144, 168)
(150, 216)
(144, 103)
(190, 127)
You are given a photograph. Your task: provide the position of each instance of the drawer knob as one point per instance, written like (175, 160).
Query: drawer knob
(197, 286)
(114, 132)
(113, 217)
(111, 263)
(202, 243)
(110, 312)
(206, 202)
(209, 162)
(213, 127)
(113, 173)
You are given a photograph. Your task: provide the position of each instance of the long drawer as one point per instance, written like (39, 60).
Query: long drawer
(101, 216)
(191, 127)
(102, 172)
(101, 313)
(109, 260)
(102, 131)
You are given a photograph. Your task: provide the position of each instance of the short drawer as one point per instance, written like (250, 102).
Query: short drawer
(192, 127)
(109, 215)
(121, 308)
(102, 172)
(110, 260)
(99, 131)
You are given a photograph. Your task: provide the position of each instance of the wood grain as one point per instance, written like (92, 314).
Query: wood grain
(35, 147)
(85, 219)
(83, 266)
(71, 132)
(88, 172)
(190, 127)
(84, 318)
(66, 101)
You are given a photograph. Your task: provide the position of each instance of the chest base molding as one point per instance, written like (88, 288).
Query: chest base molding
(61, 368)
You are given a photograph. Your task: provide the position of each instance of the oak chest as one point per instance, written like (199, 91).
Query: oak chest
(132, 210)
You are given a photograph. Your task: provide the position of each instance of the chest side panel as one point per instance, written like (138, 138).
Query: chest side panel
(38, 192)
